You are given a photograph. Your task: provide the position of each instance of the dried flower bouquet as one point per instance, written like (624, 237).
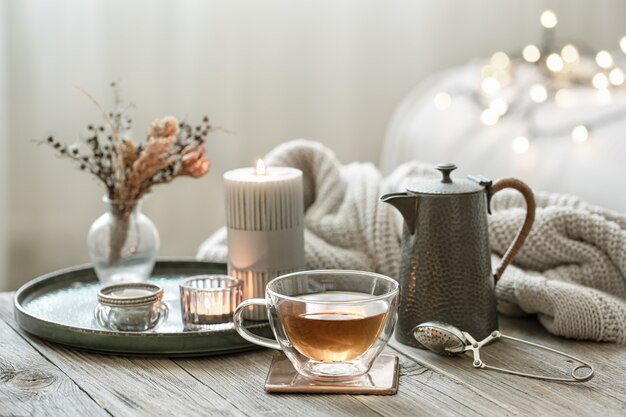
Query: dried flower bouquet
(128, 169)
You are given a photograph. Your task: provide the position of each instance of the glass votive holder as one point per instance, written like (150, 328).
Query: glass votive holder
(132, 306)
(208, 299)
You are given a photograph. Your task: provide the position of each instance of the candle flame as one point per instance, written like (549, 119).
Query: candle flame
(260, 167)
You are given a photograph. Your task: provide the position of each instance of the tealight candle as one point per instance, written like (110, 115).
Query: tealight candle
(208, 299)
(265, 225)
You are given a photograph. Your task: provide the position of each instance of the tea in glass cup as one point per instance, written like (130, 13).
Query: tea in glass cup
(331, 324)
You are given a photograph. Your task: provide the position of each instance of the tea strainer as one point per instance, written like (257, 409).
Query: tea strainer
(448, 340)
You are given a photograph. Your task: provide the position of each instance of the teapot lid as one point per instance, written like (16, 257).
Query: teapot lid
(446, 185)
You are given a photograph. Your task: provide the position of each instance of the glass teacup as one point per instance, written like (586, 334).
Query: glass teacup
(331, 324)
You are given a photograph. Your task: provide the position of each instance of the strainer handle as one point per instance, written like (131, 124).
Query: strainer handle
(478, 363)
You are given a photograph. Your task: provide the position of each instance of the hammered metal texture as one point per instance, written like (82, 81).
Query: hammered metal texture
(445, 273)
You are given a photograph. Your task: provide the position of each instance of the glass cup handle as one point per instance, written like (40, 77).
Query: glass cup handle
(243, 332)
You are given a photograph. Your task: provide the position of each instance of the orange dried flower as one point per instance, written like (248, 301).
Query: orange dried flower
(129, 170)
(194, 163)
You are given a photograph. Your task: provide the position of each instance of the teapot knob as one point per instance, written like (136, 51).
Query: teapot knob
(446, 170)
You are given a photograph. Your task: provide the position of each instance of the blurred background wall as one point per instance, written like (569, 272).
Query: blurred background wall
(269, 71)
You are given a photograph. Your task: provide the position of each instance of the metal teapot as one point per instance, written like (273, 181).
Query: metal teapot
(445, 270)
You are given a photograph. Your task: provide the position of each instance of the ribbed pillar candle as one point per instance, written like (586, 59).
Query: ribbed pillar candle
(265, 224)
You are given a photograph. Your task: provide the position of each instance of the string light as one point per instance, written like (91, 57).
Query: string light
(548, 19)
(538, 93)
(600, 81)
(531, 53)
(570, 54)
(443, 101)
(489, 117)
(499, 106)
(490, 85)
(580, 134)
(563, 98)
(500, 60)
(520, 144)
(616, 76)
(554, 62)
(558, 69)
(604, 59)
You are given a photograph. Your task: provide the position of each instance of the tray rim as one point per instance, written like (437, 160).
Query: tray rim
(28, 321)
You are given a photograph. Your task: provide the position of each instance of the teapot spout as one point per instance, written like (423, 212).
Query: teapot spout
(406, 205)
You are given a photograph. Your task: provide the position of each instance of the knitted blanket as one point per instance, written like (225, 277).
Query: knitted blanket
(571, 272)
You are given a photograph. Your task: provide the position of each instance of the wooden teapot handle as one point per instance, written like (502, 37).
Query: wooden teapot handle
(520, 238)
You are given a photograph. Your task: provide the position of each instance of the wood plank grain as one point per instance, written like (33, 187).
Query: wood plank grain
(425, 392)
(128, 386)
(241, 378)
(32, 386)
(603, 395)
(164, 387)
(429, 384)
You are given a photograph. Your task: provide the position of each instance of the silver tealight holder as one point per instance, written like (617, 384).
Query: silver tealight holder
(133, 306)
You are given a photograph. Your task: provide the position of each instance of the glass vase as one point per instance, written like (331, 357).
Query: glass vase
(123, 243)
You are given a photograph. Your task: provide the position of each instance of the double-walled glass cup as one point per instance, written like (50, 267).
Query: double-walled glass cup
(331, 324)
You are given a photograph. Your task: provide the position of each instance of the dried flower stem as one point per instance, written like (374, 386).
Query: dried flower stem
(127, 170)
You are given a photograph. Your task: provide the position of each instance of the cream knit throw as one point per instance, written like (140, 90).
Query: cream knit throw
(571, 272)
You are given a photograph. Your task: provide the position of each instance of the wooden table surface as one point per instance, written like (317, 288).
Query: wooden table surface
(44, 379)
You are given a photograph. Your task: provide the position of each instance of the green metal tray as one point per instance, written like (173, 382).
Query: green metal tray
(59, 307)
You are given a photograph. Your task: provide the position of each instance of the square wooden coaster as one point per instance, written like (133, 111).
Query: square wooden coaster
(382, 379)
